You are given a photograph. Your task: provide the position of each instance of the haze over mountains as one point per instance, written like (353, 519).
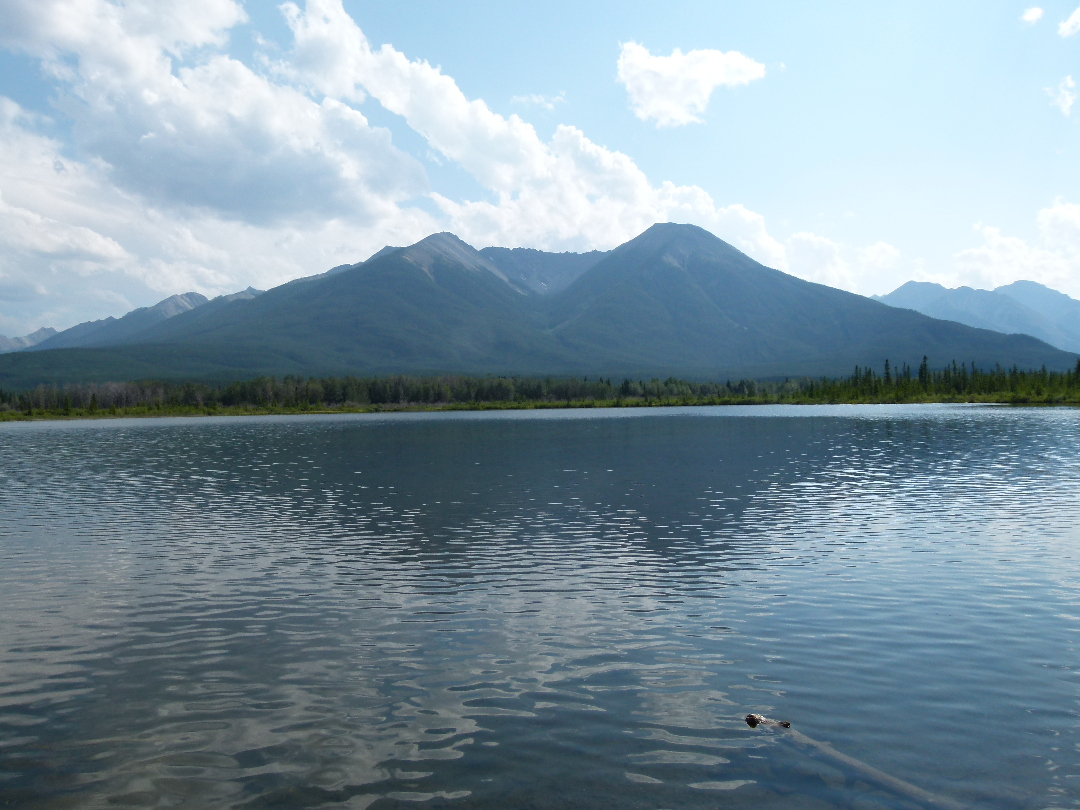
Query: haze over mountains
(675, 300)
(16, 344)
(1023, 307)
(115, 330)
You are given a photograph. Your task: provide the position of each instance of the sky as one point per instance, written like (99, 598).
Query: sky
(149, 148)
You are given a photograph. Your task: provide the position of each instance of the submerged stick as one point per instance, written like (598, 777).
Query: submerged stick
(898, 785)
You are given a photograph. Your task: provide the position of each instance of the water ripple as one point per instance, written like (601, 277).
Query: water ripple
(553, 609)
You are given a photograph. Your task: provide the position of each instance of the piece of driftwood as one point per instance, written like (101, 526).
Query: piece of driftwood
(882, 778)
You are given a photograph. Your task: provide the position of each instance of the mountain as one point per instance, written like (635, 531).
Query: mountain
(1020, 308)
(913, 295)
(243, 295)
(435, 305)
(1057, 307)
(677, 295)
(111, 331)
(18, 343)
(673, 301)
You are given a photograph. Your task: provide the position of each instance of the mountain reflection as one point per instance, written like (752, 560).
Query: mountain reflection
(493, 610)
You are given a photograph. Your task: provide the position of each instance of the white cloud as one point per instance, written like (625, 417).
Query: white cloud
(536, 100)
(188, 169)
(879, 256)
(1070, 26)
(674, 90)
(876, 268)
(1032, 15)
(1064, 95)
(1059, 226)
(73, 245)
(182, 125)
(196, 171)
(818, 259)
(566, 194)
(1003, 259)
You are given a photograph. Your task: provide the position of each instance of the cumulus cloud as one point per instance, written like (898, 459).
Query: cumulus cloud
(1071, 25)
(1032, 15)
(1053, 261)
(537, 100)
(567, 193)
(879, 256)
(194, 171)
(1064, 95)
(211, 133)
(875, 268)
(818, 259)
(186, 168)
(74, 245)
(1059, 226)
(181, 168)
(675, 90)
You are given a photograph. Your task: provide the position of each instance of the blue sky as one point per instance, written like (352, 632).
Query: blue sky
(211, 144)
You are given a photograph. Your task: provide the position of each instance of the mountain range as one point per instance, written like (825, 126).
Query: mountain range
(1023, 307)
(130, 327)
(675, 300)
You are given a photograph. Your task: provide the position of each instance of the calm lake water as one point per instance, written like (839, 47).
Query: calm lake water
(542, 609)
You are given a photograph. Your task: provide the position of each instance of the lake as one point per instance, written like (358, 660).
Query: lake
(543, 609)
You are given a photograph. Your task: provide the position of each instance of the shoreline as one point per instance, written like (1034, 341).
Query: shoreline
(142, 411)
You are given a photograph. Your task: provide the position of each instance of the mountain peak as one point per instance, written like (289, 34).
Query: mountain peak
(447, 247)
(667, 232)
(175, 304)
(16, 343)
(679, 241)
(243, 295)
(677, 229)
(378, 254)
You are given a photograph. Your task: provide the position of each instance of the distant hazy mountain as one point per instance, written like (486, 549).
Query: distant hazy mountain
(1023, 307)
(130, 328)
(18, 343)
(1059, 308)
(110, 331)
(673, 301)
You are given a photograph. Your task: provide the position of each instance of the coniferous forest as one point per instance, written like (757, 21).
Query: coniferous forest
(953, 383)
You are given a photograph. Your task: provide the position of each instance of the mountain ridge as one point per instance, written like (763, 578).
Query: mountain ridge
(115, 330)
(1023, 307)
(673, 301)
(129, 327)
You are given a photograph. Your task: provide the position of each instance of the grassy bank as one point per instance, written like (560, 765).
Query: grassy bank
(633, 402)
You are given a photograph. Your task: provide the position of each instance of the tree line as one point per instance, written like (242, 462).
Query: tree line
(953, 383)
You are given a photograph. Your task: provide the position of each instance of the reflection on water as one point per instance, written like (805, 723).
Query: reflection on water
(561, 609)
